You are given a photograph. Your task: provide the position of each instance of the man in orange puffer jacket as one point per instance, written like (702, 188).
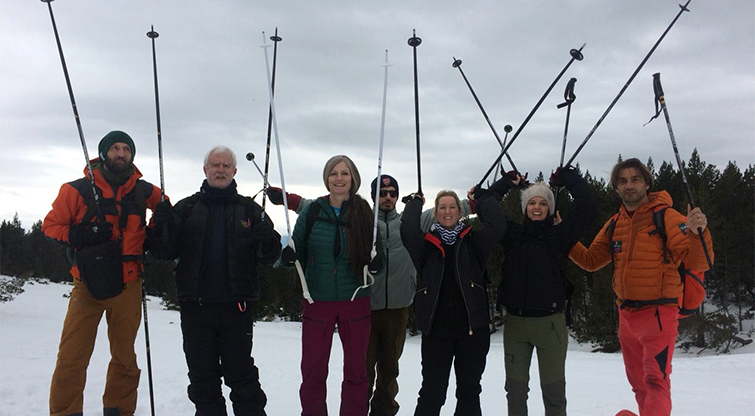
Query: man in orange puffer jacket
(123, 198)
(648, 289)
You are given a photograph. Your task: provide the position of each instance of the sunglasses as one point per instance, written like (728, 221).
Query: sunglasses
(392, 193)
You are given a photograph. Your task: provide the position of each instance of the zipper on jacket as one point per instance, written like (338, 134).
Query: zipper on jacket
(437, 295)
(458, 281)
(386, 250)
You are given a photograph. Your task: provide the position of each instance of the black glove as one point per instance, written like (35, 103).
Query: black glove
(563, 177)
(410, 197)
(89, 234)
(262, 231)
(275, 195)
(501, 186)
(375, 265)
(163, 214)
(479, 192)
(288, 256)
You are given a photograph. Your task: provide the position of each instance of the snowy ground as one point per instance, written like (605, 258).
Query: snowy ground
(30, 330)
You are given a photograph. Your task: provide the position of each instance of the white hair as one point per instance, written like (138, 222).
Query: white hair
(221, 150)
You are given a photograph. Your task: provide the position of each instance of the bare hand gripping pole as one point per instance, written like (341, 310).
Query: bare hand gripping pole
(631, 78)
(576, 55)
(660, 100)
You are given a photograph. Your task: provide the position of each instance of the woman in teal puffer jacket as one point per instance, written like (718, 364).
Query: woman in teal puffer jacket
(333, 251)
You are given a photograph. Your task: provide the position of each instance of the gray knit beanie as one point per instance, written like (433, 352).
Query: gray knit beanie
(542, 190)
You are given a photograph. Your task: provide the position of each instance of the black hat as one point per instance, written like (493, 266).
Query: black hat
(115, 136)
(385, 181)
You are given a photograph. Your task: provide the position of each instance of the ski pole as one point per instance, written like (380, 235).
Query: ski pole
(457, 64)
(299, 270)
(506, 129)
(576, 55)
(373, 252)
(96, 195)
(265, 183)
(569, 98)
(660, 100)
(631, 78)
(415, 41)
(275, 40)
(153, 35)
(149, 351)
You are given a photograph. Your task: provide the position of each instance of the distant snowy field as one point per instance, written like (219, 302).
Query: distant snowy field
(30, 329)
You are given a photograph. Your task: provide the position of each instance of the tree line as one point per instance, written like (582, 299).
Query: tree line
(726, 196)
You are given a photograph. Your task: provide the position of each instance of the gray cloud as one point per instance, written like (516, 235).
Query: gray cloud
(329, 87)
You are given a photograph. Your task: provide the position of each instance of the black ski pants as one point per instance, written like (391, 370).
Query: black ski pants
(468, 354)
(218, 343)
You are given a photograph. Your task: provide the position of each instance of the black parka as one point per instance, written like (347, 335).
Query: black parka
(535, 255)
(472, 248)
(190, 238)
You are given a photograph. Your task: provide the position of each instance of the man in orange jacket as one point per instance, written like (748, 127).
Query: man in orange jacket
(114, 225)
(648, 289)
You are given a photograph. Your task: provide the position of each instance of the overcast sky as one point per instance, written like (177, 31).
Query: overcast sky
(329, 86)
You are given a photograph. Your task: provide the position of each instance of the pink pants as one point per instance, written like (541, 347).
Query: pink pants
(318, 322)
(647, 341)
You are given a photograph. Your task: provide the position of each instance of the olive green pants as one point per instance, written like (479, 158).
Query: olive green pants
(387, 338)
(548, 335)
(123, 314)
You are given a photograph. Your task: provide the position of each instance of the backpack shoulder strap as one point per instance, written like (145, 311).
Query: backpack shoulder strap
(660, 229)
(610, 230)
(312, 215)
(84, 187)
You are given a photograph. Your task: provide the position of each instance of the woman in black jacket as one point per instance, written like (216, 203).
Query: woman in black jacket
(534, 288)
(451, 305)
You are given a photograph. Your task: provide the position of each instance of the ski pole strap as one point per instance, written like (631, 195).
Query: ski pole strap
(569, 96)
(659, 100)
(366, 276)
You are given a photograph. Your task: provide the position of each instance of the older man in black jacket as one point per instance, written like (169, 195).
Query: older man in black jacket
(219, 237)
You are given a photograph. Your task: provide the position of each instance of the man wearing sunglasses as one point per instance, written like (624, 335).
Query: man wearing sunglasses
(391, 294)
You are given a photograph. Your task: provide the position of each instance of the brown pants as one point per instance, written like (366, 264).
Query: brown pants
(123, 314)
(386, 345)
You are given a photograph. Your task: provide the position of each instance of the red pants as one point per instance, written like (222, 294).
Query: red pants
(647, 341)
(318, 322)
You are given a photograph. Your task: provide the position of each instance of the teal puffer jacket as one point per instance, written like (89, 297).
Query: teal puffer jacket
(323, 255)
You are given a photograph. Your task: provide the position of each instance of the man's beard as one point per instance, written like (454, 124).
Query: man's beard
(117, 168)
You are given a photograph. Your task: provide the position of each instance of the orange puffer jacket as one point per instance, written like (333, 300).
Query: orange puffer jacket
(69, 208)
(639, 271)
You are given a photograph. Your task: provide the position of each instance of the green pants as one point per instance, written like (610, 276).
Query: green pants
(549, 336)
(386, 345)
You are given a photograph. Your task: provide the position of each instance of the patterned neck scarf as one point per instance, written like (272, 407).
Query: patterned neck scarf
(448, 236)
